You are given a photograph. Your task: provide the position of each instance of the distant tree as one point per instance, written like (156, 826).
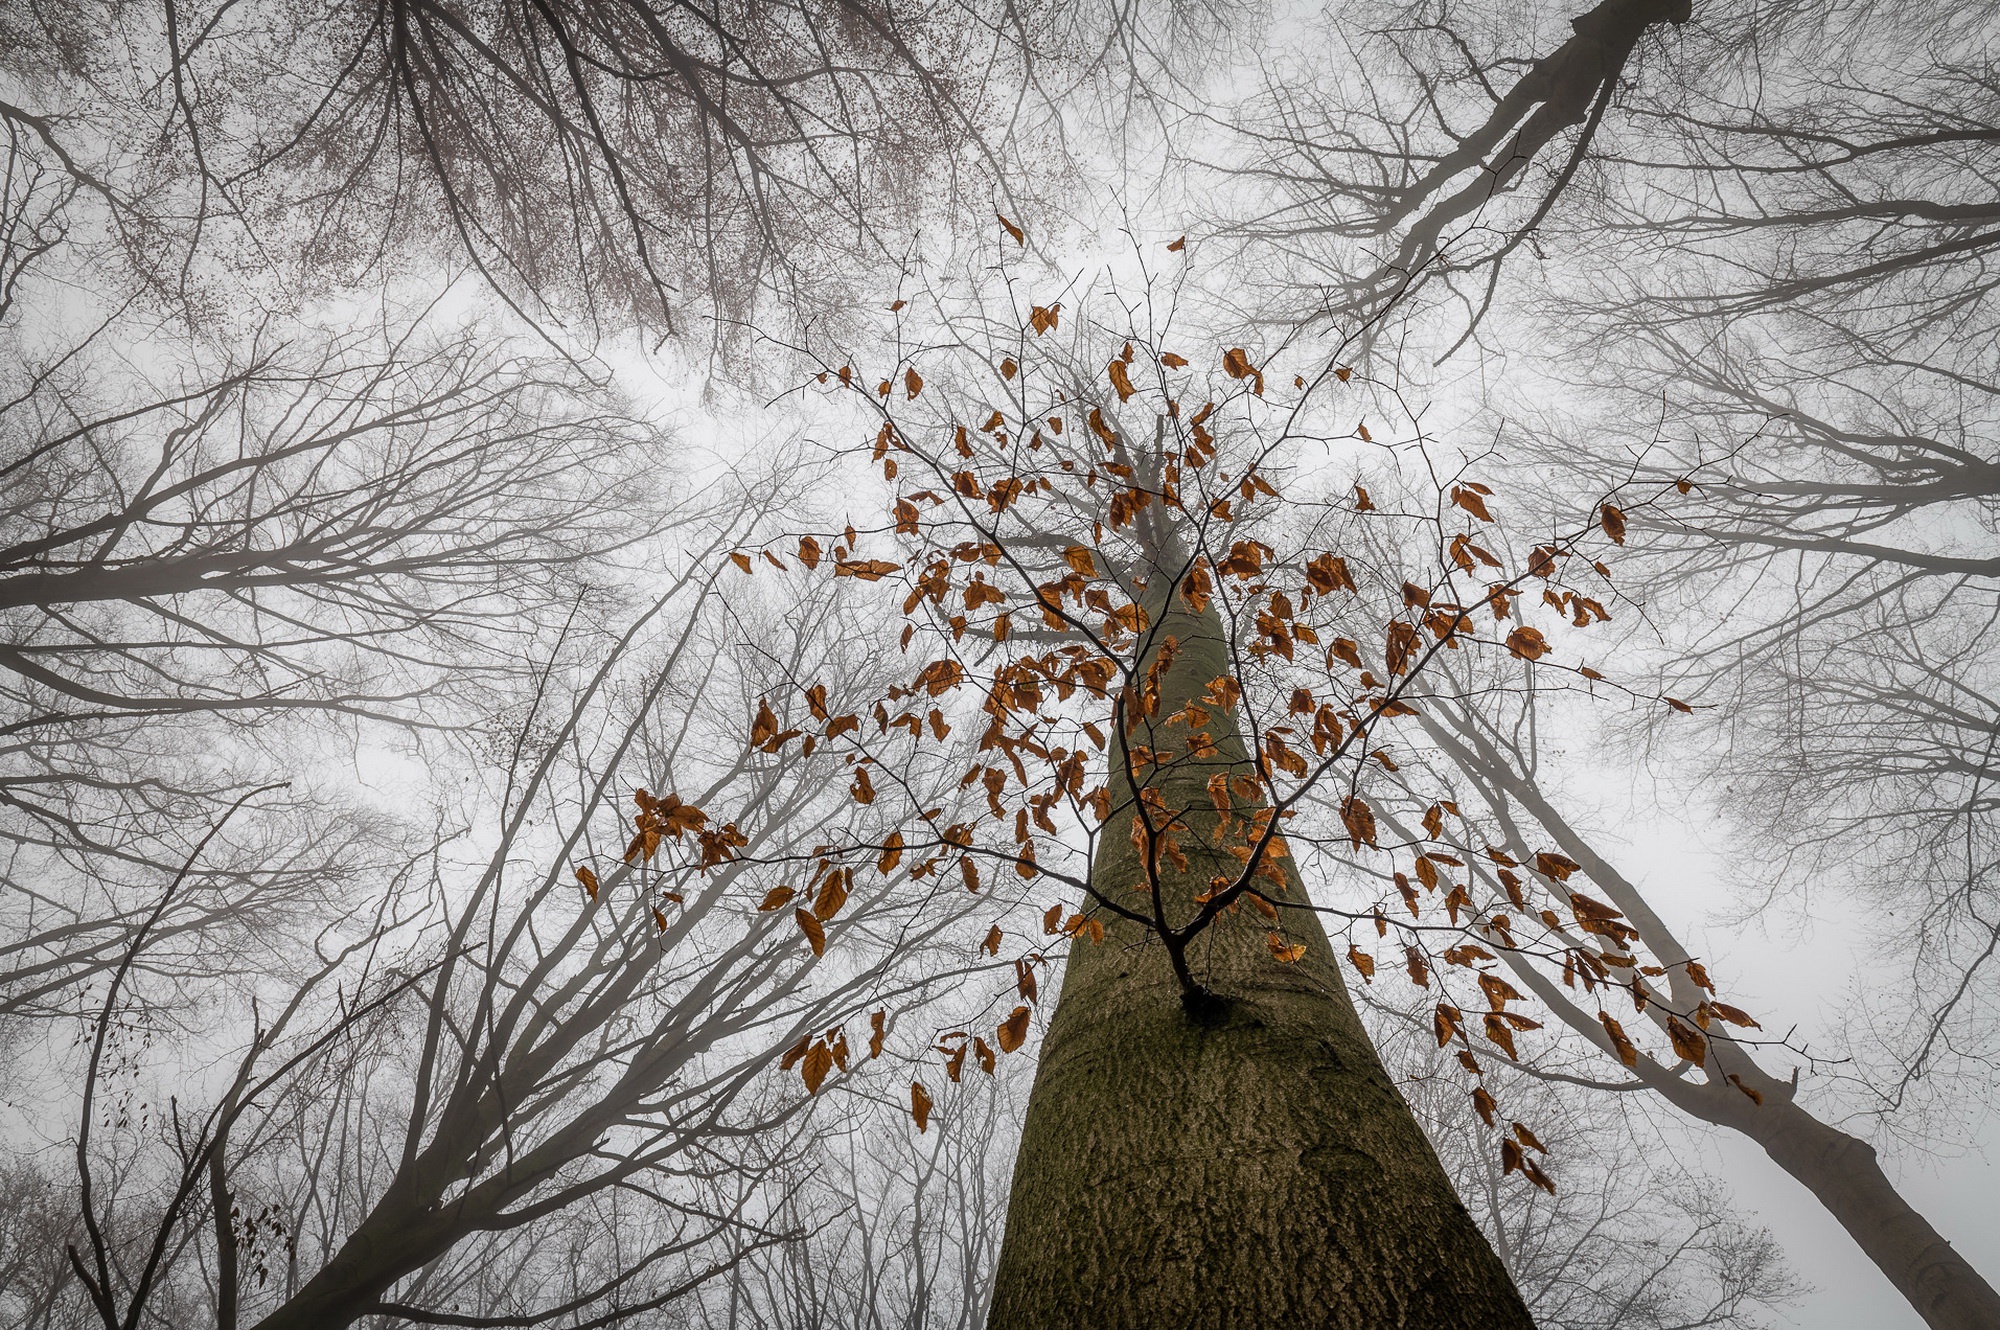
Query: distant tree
(533, 1089)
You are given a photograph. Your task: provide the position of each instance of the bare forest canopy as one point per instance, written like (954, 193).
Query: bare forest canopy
(792, 663)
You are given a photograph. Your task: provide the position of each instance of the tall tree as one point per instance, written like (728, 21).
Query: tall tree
(1211, 1138)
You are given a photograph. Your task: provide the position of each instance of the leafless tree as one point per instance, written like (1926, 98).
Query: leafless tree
(596, 163)
(199, 577)
(535, 1087)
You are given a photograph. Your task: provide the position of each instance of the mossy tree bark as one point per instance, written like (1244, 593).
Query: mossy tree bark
(1239, 1161)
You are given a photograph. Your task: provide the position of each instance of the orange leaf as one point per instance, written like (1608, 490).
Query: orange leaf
(741, 560)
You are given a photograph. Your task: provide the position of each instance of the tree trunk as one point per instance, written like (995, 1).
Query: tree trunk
(1243, 1164)
(1843, 1173)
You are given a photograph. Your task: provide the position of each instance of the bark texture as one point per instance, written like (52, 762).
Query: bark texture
(1248, 1164)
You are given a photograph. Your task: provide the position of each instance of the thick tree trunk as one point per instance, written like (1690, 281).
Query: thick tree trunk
(1244, 1165)
(1843, 1173)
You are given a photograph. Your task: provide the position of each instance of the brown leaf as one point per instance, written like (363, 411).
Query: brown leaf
(765, 727)
(1020, 236)
(1013, 1031)
(1176, 246)
(913, 382)
(740, 559)
(864, 570)
(1613, 522)
(1236, 363)
(1282, 953)
(809, 552)
(892, 853)
(1363, 963)
(818, 1062)
(1359, 819)
(832, 895)
(1734, 1015)
(920, 1106)
(1526, 643)
(589, 880)
(991, 946)
(775, 899)
(1121, 380)
(1687, 1041)
(1621, 1045)
(814, 930)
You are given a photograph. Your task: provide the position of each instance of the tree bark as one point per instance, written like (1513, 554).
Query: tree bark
(1842, 1171)
(1243, 1162)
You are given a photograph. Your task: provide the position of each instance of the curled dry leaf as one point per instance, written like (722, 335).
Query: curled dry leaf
(1013, 1031)
(1526, 643)
(920, 1105)
(1281, 952)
